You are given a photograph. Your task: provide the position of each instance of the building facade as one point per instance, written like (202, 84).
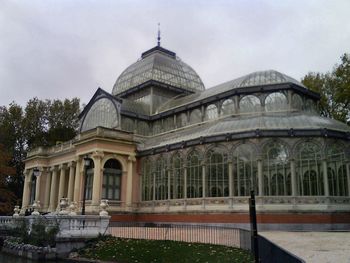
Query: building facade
(162, 148)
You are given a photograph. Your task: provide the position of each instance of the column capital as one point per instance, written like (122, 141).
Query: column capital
(131, 158)
(72, 164)
(98, 155)
(63, 166)
(26, 172)
(53, 168)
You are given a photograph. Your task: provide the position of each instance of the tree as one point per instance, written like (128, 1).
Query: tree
(8, 199)
(334, 88)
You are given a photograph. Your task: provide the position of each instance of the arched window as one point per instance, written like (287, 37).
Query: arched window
(142, 128)
(276, 168)
(161, 179)
(310, 106)
(244, 170)
(181, 120)
(194, 176)
(228, 107)
(217, 173)
(168, 123)
(177, 177)
(249, 103)
(297, 102)
(89, 180)
(276, 101)
(128, 124)
(147, 180)
(102, 113)
(211, 112)
(195, 116)
(157, 127)
(308, 169)
(337, 178)
(111, 184)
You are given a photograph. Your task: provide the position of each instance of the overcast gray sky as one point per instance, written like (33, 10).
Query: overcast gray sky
(64, 49)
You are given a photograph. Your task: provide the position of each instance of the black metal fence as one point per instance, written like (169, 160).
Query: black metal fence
(219, 235)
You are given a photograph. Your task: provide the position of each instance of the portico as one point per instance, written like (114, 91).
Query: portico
(62, 172)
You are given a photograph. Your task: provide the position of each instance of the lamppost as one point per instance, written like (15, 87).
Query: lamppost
(86, 165)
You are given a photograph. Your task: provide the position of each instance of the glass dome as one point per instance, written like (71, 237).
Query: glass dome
(161, 65)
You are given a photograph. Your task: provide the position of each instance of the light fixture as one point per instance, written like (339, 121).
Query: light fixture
(36, 172)
(86, 161)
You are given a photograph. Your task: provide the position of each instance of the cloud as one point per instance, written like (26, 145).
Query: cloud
(63, 49)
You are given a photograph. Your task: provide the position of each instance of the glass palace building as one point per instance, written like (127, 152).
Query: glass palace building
(163, 148)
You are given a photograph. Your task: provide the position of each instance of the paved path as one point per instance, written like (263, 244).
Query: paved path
(314, 247)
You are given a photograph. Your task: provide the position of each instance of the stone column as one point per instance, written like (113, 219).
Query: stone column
(37, 185)
(325, 177)
(62, 183)
(26, 190)
(96, 186)
(128, 199)
(77, 182)
(53, 190)
(47, 189)
(230, 178)
(260, 178)
(71, 166)
(293, 178)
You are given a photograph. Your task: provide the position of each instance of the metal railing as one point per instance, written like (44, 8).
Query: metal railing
(218, 235)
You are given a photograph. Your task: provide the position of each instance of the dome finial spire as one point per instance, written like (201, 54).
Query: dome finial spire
(158, 38)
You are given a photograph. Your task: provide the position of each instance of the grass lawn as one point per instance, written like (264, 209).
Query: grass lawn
(147, 251)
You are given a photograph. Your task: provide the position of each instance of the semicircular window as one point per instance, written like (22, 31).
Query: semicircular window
(249, 103)
(211, 112)
(228, 107)
(276, 101)
(102, 113)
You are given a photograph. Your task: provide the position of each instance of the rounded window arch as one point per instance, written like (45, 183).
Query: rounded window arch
(336, 172)
(217, 173)
(276, 167)
(157, 127)
(194, 175)
(177, 177)
(142, 128)
(161, 179)
(244, 170)
(276, 101)
(168, 123)
(308, 169)
(249, 103)
(181, 120)
(147, 180)
(228, 107)
(111, 184)
(211, 112)
(297, 102)
(102, 113)
(195, 116)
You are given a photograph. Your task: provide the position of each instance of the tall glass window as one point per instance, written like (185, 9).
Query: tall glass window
(249, 103)
(276, 169)
(194, 176)
(147, 180)
(308, 169)
(181, 120)
(177, 177)
(337, 178)
(217, 173)
(161, 179)
(244, 170)
(111, 184)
